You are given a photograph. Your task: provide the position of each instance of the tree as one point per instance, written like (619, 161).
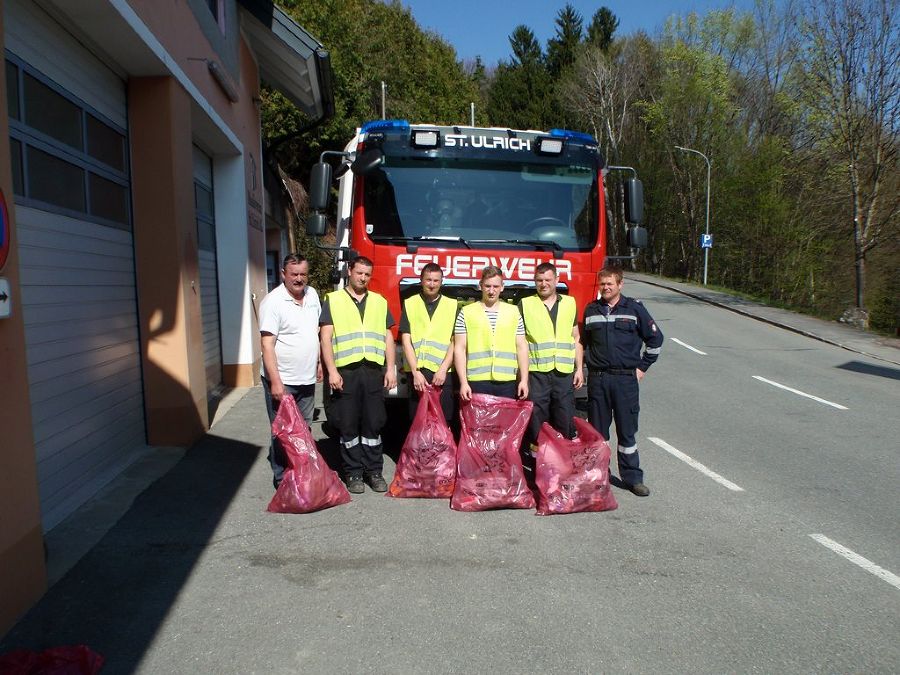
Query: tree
(563, 47)
(764, 99)
(691, 105)
(520, 96)
(425, 81)
(521, 92)
(525, 48)
(602, 28)
(477, 72)
(599, 93)
(852, 89)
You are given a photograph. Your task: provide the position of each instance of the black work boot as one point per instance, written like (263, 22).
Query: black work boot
(377, 482)
(640, 490)
(355, 485)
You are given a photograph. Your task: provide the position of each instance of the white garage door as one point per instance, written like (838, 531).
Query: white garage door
(71, 179)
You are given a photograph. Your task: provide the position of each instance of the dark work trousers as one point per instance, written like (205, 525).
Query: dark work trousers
(448, 394)
(305, 396)
(494, 388)
(615, 397)
(553, 396)
(358, 413)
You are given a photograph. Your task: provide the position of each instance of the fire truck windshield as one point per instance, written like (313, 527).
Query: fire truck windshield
(478, 200)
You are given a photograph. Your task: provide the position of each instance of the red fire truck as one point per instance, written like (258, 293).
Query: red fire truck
(466, 197)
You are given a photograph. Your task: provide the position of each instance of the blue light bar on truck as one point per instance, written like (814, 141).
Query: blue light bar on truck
(573, 136)
(384, 125)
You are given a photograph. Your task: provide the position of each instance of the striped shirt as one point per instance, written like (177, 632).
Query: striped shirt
(460, 327)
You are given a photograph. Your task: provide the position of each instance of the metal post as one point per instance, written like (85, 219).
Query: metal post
(383, 86)
(472, 113)
(708, 167)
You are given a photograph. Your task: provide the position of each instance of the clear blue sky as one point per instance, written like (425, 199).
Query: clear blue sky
(482, 27)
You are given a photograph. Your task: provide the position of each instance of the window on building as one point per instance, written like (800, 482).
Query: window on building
(15, 152)
(105, 144)
(109, 200)
(12, 91)
(64, 155)
(55, 181)
(51, 113)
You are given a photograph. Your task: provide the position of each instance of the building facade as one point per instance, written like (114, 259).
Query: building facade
(135, 242)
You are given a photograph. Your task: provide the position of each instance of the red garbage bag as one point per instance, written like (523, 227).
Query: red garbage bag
(489, 468)
(573, 475)
(69, 660)
(308, 484)
(427, 463)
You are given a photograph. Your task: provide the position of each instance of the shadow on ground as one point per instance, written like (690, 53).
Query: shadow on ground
(870, 369)
(116, 598)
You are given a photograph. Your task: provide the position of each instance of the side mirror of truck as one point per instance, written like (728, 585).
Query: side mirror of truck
(366, 161)
(634, 201)
(316, 224)
(637, 237)
(319, 186)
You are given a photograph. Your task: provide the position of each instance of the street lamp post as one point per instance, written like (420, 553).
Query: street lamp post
(706, 249)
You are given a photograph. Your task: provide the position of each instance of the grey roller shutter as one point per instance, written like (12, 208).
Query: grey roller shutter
(208, 263)
(76, 254)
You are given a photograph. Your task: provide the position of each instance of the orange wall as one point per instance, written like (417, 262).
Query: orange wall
(22, 571)
(175, 26)
(166, 262)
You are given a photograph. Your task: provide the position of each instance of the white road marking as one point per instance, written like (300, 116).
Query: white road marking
(687, 346)
(800, 393)
(690, 461)
(857, 559)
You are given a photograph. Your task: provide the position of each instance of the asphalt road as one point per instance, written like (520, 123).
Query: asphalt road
(717, 571)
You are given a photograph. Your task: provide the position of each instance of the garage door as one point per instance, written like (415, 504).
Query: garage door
(71, 179)
(209, 281)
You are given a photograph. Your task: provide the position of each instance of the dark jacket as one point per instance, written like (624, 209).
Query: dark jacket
(615, 340)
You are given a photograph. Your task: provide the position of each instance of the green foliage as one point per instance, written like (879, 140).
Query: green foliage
(754, 93)
(519, 97)
(424, 80)
(884, 293)
(563, 47)
(602, 28)
(369, 42)
(525, 47)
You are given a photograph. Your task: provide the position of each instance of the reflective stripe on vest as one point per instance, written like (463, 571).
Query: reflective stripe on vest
(356, 338)
(491, 355)
(549, 347)
(430, 335)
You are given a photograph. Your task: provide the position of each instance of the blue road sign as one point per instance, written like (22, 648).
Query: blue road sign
(706, 241)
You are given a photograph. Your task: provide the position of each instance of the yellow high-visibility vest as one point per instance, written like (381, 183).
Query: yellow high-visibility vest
(491, 355)
(549, 347)
(430, 335)
(356, 338)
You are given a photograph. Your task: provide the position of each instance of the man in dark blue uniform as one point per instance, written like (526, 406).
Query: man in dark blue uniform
(616, 329)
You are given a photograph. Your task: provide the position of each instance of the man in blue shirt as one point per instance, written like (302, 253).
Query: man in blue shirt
(616, 330)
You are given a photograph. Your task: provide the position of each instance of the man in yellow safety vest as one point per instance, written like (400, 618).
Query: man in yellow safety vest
(490, 352)
(358, 353)
(426, 335)
(555, 354)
